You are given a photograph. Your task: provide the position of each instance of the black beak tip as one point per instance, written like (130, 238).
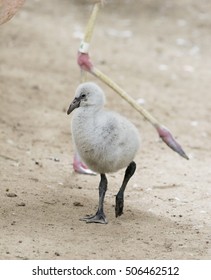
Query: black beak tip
(69, 110)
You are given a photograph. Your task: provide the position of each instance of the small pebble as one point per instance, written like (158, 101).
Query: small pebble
(11, 194)
(163, 67)
(181, 42)
(194, 50)
(21, 204)
(54, 159)
(38, 163)
(77, 34)
(188, 68)
(181, 22)
(194, 123)
(76, 203)
(35, 87)
(57, 254)
(140, 101)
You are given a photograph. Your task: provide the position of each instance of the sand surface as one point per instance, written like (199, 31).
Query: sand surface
(159, 52)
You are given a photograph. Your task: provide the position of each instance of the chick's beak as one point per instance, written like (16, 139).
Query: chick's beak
(73, 105)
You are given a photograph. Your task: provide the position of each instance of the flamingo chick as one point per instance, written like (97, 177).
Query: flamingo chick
(105, 141)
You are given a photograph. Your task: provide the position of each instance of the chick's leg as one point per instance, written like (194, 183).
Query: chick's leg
(99, 217)
(120, 195)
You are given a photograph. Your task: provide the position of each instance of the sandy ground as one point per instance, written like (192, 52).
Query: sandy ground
(159, 52)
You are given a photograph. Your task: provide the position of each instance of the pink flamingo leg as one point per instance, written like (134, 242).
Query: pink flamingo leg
(81, 167)
(86, 65)
(8, 8)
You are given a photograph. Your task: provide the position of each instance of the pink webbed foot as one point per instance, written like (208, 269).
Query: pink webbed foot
(81, 167)
(167, 137)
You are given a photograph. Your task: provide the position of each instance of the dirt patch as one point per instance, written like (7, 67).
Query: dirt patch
(159, 52)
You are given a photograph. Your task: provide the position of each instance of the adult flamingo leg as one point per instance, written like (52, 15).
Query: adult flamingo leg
(86, 64)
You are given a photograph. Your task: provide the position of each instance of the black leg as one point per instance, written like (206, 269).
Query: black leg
(99, 217)
(120, 195)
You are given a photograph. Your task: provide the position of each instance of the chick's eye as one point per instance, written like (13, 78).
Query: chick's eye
(83, 95)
